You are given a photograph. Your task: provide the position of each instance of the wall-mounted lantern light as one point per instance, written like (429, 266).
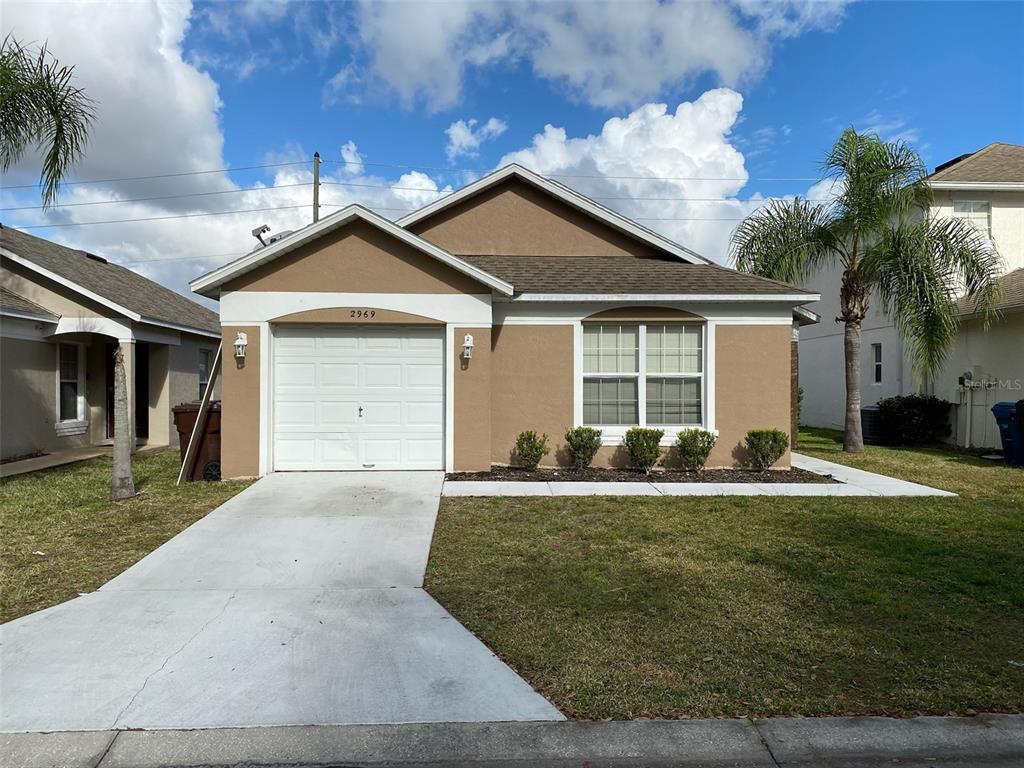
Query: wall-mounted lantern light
(241, 342)
(467, 347)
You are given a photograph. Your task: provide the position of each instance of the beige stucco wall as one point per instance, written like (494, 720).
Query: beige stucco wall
(28, 398)
(183, 378)
(472, 398)
(994, 355)
(516, 219)
(48, 294)
(531, 387)
(357, 258)
(752, 387)
(1007, 218)
(240, 414)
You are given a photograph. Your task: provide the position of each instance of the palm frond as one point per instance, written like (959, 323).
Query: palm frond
(41, 106)
(919, 271)
(785, 241)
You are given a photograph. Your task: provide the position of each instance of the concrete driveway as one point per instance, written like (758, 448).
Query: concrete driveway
(299, 601)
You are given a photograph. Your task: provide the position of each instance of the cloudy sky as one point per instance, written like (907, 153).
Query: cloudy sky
(681, 115)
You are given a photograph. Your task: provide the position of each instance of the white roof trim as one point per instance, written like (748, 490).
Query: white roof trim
(8, 312)
(981, 186)
(566, 195)
(73, 286)
(206, 284)
(28, 264)
(794, 298)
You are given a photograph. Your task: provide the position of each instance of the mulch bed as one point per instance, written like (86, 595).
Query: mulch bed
(596, 475)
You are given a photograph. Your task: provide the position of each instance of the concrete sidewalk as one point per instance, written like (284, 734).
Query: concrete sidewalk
(849, 742)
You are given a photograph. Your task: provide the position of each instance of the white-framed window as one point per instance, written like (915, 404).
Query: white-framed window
(643, 374)
(977, 212)
(70, 389)
(205, 361)
(876, 362)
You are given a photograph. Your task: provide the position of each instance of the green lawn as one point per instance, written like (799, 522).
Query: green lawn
(65, 513)
(684, 607)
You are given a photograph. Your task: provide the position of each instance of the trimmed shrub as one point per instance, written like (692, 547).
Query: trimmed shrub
(583, 443)
(910, 419)
(694, 446)
(644, 446)
(766, 446)
(530, 448)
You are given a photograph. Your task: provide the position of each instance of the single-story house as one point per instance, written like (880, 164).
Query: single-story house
(63, 312)
(512, 304)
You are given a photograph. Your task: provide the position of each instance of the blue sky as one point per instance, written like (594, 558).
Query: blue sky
(766, 88)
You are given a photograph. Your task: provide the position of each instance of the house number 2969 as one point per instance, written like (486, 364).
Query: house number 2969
(362, 314)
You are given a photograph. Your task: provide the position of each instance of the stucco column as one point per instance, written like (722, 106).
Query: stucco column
(472, 401)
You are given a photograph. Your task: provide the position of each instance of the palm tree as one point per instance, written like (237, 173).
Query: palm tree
(122, 484)
(41, 107)
(877, 230)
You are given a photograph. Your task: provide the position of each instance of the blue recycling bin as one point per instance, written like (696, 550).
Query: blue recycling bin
(1011, 431)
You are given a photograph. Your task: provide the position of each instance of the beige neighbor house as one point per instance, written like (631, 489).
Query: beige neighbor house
(514, 303)
(62, 314)
(985, 365)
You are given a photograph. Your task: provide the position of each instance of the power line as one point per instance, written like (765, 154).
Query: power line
(167, 218)
(158, 197)
(165, 175)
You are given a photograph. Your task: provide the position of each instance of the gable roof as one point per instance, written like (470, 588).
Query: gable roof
(997, 163)
(111, 285)
(207, 284)
(18, 306)
(1011, 286)
(566, 195)
(612, 276)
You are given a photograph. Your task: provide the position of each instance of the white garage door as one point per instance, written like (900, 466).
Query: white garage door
(358, 398)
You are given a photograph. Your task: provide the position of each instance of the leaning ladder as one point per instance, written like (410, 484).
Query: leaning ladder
(200, 426)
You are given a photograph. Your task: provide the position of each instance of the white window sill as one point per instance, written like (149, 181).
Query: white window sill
(70, 428)
(615, 435)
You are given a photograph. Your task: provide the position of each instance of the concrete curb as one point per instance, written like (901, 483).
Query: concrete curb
(847, 742)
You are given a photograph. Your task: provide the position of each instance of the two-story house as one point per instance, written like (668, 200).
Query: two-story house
(985, 366)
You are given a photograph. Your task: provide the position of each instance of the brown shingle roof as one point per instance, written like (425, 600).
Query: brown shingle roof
(995, 163)
(621, 274)
(113, 282)
(12, 301)
(1012, 285)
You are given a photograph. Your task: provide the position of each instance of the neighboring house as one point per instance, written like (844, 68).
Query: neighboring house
(986, 188)
(514, 303)
(62, 314)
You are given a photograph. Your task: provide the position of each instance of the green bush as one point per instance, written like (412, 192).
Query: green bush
(583, 443)
(910, 419)
(694, 446)
(766, 446)
(530, 448)
(644, 446)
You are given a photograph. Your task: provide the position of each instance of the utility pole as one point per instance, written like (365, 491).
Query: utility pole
(316, 187)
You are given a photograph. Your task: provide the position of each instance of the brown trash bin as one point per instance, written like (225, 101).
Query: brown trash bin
(207, 463)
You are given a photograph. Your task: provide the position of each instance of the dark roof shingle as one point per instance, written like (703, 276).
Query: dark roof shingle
(113, 282)
(996, 163)
(12, 301)
(1012, 287)
(621, 274)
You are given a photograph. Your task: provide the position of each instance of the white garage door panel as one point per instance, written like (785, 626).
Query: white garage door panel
(358, 398)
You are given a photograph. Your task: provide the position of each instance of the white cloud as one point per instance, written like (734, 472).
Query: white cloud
(675, 172)
(465, 137)
(160, 113)
(607, 53)
(888, 127)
